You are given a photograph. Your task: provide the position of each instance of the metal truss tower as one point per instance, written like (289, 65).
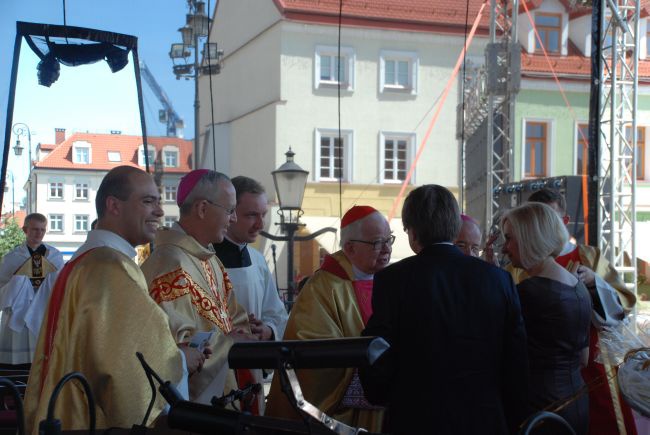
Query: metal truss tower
(490, 93)
(618, 85)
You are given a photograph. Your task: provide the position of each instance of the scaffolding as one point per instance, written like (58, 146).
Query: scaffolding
(488, 113)
(487, 131)
(617, 109)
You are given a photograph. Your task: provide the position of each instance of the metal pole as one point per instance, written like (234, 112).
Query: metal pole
(196, 100)
(290, 228)
(29, 171)
(13, 196)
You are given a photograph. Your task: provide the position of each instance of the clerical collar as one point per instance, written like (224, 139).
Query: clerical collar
(232, 255)
(360, 275)
(40, 250)
(101, 238)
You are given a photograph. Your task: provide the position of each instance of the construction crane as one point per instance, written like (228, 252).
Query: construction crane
(167, 115)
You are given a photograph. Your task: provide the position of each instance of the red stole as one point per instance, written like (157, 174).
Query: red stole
(53, 310)
(572, 257)
(362, 288)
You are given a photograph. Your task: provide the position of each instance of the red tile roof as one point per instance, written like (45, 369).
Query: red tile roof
(101, 144)
(19, 215)
(447, 16)
(443, 16)
(46, 146)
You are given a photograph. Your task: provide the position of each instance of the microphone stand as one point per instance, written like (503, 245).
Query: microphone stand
(206, 419)
(275, 267)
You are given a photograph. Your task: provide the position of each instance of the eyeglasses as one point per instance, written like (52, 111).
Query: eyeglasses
(377, 245)
(229, 211)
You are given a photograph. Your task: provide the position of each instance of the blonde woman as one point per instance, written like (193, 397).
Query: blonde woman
(556, 307)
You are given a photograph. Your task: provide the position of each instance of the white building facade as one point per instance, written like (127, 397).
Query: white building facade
(66, 179)
(279, 89)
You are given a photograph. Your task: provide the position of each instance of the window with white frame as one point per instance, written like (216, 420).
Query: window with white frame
(56, 222)
(333, 155)
(398, 71)
(81, 153)
(81, 191)
(396, 150)
(55, 190)
(81, 223)
(169, 221)
(114, 156)
(330, 68)
(150, 151)
(171, 158)
(170, 193)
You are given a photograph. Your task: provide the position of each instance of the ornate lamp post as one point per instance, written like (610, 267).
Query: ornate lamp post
(21, 129)
(196, 27)
(290, 180)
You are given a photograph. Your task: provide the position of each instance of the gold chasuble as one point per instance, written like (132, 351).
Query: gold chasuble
(326, 307)
(191, 285)
(99, 316)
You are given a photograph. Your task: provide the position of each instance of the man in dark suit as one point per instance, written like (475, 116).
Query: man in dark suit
(457, 362)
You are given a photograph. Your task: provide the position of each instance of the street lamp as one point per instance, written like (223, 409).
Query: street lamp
(290, 181)
(21, 129)
(197, 26)
(13, 193)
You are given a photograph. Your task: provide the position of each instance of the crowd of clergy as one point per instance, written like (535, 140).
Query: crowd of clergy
(475, 346)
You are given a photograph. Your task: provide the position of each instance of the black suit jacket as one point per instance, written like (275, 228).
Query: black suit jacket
(457, 363)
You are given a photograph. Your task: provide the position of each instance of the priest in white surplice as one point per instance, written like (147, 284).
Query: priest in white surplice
(252, 281)
(26, 277)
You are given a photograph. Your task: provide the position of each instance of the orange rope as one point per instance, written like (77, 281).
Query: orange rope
(575, 117)
(450, 83)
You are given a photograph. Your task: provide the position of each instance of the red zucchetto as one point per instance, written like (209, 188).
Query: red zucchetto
(355, 213)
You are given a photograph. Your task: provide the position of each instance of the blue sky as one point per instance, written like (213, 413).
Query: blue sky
(90, 98)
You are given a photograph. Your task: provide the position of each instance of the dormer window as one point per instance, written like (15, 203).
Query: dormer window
(549, 27)
(170, 156)
(81, 153)
(152, 155)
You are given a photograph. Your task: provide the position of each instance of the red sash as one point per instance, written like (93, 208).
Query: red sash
(362, 288)
(53, 310)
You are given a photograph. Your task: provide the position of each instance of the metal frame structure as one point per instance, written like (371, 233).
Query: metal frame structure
(489, 114)
(618, 86)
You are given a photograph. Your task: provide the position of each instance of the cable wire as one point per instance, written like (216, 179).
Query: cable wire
(343, 162)
(20, 413)
(89, 398)
(214, 142)
(462, 112)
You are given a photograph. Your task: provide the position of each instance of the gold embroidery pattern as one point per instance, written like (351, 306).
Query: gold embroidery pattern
(178, 283)
(219, 296)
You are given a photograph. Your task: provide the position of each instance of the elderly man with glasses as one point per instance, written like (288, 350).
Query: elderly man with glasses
(190, 284)
(336, 303)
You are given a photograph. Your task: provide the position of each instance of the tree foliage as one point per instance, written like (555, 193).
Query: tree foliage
(11, 236)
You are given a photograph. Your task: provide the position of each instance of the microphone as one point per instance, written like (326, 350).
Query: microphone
(167, 390)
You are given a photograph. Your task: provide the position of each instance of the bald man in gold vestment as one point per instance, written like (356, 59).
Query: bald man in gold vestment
(100, 315)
